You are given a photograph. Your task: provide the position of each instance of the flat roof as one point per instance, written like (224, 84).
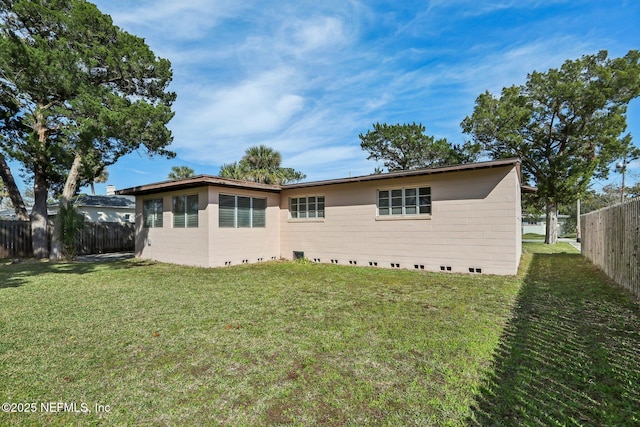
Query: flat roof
(407, 173)
(197, 181)
(205, 180)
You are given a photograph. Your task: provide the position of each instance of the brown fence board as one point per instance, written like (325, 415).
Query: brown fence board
(611, 240)
(15, 239)
(96, 237)
(104, 237)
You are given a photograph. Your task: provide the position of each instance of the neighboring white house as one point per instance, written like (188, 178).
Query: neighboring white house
(10, 213)
(104, 208)
(7, 214)
(109, 208)
(464, 218)
(536, 224)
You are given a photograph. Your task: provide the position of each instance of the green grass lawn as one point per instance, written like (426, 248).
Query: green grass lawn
(307, 344)
(533, 236)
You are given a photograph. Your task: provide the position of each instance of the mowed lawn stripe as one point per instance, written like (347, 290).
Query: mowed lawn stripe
(267, 344)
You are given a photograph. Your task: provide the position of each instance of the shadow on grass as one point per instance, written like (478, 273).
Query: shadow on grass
(571, 353)
(15, 275)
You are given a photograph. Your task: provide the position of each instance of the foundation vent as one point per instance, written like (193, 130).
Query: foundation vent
(373, 263)
(445, 268)
(475, 270)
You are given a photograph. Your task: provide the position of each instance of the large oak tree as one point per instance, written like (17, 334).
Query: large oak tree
(565, 124)
(82, 93)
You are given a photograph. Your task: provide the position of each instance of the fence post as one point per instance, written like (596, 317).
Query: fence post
(15, 238)
(611, 239)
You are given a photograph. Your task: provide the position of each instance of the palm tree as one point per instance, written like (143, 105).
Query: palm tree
(261, 164)
(262, 157)
(235, 170)
(181, 172)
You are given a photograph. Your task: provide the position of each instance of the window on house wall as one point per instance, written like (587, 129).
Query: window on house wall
(404, 201)
(241, 211)
(152, 213)
(185, 211)
(308, 207)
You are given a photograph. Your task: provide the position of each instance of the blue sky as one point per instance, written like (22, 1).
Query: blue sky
(307, 77)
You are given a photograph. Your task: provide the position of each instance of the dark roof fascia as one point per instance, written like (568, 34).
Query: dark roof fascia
(195, 182)
(410, 173)
(207, 180)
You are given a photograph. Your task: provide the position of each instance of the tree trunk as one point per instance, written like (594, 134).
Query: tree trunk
(14, 192)
(39, 217)
(69, 191)
(551, 235)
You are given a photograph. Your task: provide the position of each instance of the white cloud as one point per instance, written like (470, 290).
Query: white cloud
(259, 105)
(307, 78)
(320, 33)
(181, 19)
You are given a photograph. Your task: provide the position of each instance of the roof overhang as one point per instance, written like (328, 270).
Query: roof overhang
(410, 173)
(195, 182)
(209, 180)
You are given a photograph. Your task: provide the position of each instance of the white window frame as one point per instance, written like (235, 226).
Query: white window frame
(318, 214)
(393, 209)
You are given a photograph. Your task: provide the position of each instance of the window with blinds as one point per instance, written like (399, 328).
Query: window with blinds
(241, 211)
(152, 213)
(185, 211)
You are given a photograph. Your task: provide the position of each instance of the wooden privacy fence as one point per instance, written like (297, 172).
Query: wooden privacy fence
(611, 240)
(103, 237)
(15, 239)
(96, 237)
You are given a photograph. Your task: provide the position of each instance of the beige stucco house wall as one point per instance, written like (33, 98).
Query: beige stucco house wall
(231, 246)
(474, 224)
(207, 244)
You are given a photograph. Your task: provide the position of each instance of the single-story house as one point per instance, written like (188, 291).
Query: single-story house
(464, 218)
(9, 214)
(109, 208)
